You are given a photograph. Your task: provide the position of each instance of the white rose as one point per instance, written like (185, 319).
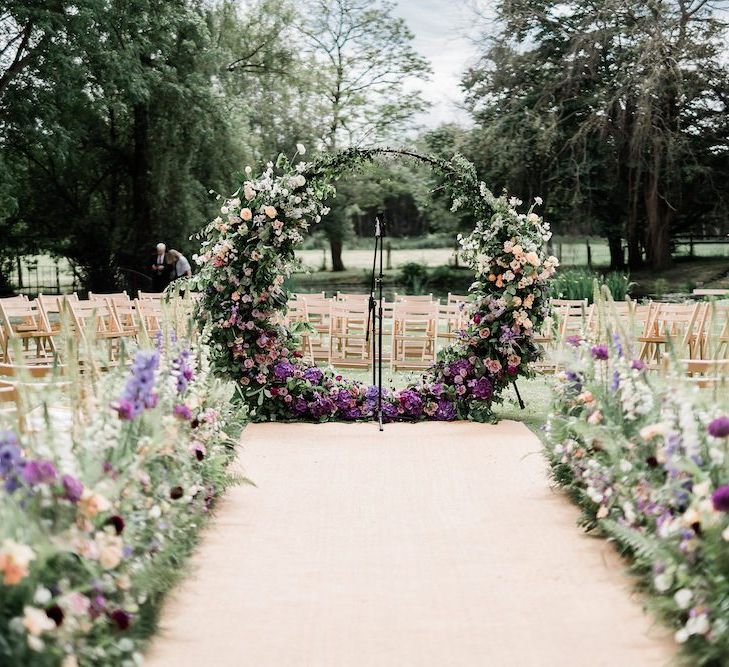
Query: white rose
(301, 149)
(683, 598)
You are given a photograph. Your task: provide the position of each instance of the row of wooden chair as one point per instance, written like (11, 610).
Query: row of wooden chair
(30, 329)
(335, 330)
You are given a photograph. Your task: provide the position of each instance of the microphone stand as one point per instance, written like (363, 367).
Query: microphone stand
(375, 319)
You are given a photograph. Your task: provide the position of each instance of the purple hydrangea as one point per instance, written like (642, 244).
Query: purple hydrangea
(322, 406)
(446, 410)
(720, 499)
(72, 488)
(600, 352)
(39, 471)
(313, 375)
(138, 394)
(283, 370)
(299, 407)
(459, 367)
(719, 427)
(411, 402)
(482, 389)
(389, 411)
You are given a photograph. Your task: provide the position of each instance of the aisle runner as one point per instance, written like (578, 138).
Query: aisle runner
(431, 544)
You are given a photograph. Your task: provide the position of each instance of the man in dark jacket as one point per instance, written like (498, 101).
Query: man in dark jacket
(160, 269)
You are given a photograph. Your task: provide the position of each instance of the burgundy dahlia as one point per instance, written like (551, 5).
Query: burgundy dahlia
(121, 619)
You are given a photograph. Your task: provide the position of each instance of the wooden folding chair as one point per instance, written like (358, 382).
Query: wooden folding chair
(674, 324)
(419, 298)
(414, 335)
(23, 323)
(150, 296)
(149, 316)
(348, 344)
(318, 316)
(713, 332)
(702, 373)
(97, 319)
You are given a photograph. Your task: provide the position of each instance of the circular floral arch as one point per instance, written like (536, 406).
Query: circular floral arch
(249, 250)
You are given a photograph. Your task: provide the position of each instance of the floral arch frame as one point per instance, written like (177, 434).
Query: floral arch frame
(249, 250)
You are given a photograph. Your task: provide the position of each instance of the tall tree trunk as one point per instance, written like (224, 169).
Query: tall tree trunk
(335, 245)
(632, 228)
(615, 245)
(658, 236)
(141, 195)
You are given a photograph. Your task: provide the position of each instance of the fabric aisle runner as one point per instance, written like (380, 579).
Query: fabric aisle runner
(428, 544)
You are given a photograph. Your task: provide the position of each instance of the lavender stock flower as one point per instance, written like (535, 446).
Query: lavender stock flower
(138, 394)
(600, 352)
(72, 488)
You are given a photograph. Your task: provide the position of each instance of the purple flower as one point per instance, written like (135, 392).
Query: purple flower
(39, 471)
(411, 403)
(322, 406)
(574, 340)
(389, 411)
(482, 389)
(618, 345)
(10, 453)
(719, 427)
(138, 394)
(283, 370)
(720, 499)
(507, 334)
(182, 412)
(313, 375)
(459, 367)
(637, 365)
(615, 382)
(72, 488)
(600, 352)
(121, 619)
(183, 371)
(299, 407)
(446, 410)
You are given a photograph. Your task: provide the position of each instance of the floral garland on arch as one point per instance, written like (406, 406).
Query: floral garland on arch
(249, 250)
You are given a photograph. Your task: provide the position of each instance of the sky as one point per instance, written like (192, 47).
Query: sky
(441, 29)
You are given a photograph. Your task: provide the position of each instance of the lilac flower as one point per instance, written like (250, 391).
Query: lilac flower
(600, 352)
(507, 334)
(283, 370)
(411, 403)
(615, 382)
(10, 454)
(446, 410)
(574, 340)
(482, 389)
(720, 499)
(719, 427)
(183, 371)
(313, 375)
(72, 488)
(138, 394)
(182, 412)
(39, 471)
(617, 344)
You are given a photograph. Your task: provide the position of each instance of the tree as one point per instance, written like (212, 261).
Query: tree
(364, 59)
(610, 107)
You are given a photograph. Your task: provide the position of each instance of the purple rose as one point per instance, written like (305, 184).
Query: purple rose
(283, 370)
(446, 410)
(72, 488)
(39, 472)
(720, 499)
(600, 352)
(411, 403)
(719, 427)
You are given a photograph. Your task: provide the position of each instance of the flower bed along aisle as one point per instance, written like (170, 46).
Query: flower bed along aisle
(646, 460)
(95, 521)
(249, 250)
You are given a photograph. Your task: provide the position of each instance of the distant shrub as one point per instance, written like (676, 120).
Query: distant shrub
(414, 277)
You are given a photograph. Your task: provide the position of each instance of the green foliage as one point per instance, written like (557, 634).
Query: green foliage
(581, 283)
(413, 277)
